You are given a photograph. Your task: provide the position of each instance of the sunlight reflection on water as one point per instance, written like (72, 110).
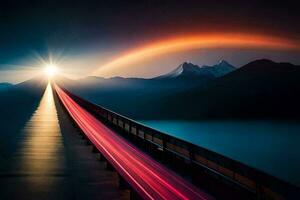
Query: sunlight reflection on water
(42, 147)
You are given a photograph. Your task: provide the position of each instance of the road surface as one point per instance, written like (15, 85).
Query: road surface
(148, 177)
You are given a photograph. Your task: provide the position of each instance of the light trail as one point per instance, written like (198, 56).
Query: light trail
(148, 177)
(201, 41)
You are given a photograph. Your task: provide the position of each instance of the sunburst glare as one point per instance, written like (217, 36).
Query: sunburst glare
(51, 70)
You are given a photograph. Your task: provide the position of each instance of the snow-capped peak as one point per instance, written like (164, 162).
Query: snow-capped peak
(187, 69)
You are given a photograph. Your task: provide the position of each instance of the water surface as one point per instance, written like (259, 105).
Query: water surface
(271, 146)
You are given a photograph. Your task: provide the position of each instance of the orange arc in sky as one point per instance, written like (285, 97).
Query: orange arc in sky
(203, 41)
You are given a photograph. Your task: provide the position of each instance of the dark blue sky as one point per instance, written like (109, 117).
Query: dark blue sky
(81, 27)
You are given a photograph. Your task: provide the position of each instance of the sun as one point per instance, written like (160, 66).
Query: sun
(50, 70)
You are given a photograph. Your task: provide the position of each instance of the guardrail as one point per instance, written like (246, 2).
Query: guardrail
(259, 184)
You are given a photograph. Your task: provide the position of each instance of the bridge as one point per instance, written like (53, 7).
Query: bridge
(145, 163)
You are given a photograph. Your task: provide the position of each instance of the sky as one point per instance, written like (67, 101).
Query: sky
(142, 38)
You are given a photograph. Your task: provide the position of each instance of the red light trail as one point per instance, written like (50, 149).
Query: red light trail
(148, 177)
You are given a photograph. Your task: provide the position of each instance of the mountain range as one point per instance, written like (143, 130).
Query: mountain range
(189, 70)
(186, 75)
(135, 92)
(4, 86)
(259, 89)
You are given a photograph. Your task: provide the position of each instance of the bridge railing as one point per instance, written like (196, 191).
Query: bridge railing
(262, 185)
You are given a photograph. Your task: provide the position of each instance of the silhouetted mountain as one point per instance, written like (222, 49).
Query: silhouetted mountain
(184, 77)
(134, 92)
(39, 82)
(191, 71)
(4, 86)
(220, 69)
(124, 93)
(262, 88)
(187, 75)
(186, 70)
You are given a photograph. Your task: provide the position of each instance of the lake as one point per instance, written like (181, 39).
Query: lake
(270, 146)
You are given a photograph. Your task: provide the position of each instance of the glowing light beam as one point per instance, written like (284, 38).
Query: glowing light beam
(148, 177)
(203, 41)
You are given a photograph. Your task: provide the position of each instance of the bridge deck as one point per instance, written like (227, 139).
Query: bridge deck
(148, 177)
(51, 162)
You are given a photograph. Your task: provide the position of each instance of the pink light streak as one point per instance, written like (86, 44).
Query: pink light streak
(148, 177)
